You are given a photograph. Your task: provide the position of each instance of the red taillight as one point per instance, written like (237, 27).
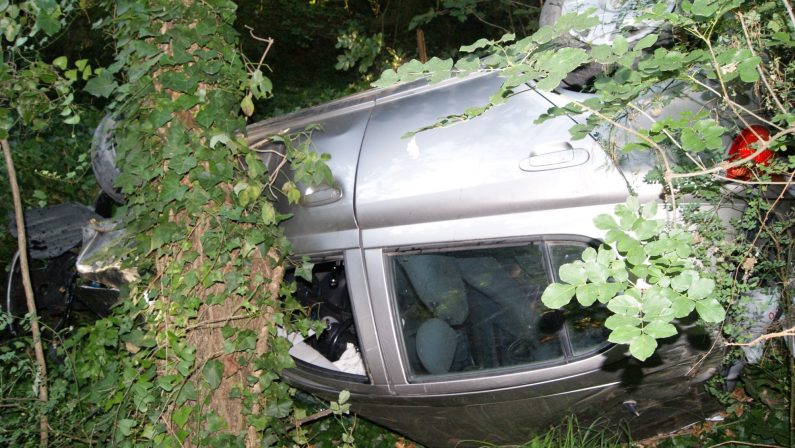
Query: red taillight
(741, 148)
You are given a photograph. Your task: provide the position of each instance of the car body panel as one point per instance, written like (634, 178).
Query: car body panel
(498, 179)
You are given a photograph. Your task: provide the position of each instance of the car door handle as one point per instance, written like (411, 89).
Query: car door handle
(553, 156)
(321, 195)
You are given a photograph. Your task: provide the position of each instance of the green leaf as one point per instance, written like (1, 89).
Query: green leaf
(682, 282)
(624, 334)
(268, 215)
(624, 305)
(480, 43)
(60, 62)
(101, 85)
(304, 271)
(649, 210)
(597, 273)
(636, 255)
(701, 288)
(213, 373)
(343, 397)
(557, 295)
(179, 81)
(609, 290)
(180, 416)
(388, 78)
(48, 17)
(617, 320)
(681, 305)
(125, 426)
(647, 229)
(642, 347)
(279, 408)
(572, 273)
(247, 105)
(710, 310)
(620, 45)
(605, 222)
(645, 42)
(589, 255)
(659, 329)
(587, 294)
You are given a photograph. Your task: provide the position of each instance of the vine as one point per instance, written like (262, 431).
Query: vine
(200, 328)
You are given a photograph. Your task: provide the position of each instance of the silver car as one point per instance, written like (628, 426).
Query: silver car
(432, 253)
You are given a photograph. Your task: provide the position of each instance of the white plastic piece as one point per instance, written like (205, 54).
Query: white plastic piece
(351, 361)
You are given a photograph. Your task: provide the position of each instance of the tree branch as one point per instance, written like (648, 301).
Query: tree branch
(29, 298)
(779, 334)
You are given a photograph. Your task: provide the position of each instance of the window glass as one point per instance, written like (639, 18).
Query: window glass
(469, 310)
(584, 325)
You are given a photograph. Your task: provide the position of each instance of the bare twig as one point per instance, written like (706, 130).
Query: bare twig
(779, 334)
(739, 442)
(269, 41)
(789, 11)
(28, 287)
(313, 417)
(734, 104)
(759, 67)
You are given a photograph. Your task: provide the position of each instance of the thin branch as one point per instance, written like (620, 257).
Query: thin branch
(22, 245)
(733, 104)
(269, 41)
(779, 334)
(759, 67)
(789, 11)
(313, 417)
(739, 442)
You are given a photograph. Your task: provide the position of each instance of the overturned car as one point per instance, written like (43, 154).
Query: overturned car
(432, 253)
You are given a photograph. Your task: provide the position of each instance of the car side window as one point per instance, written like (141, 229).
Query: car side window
(478, 309)
(327, 299)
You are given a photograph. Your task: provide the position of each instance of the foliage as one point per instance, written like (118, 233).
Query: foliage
(644, 273)
(149, 373)
(358, 51)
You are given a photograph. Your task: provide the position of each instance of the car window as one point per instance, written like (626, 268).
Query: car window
(479, 309)
(326, 299)
(469, 310)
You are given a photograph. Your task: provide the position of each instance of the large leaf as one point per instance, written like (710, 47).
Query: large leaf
(624, 334)
(101, 85)
(642, 347)
(573, 273)
(659, 329)
(213, 372)
(710, 310)
(557, 295)
(625, 305)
